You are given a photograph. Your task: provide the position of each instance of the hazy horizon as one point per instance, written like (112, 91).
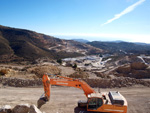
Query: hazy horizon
(96, 39)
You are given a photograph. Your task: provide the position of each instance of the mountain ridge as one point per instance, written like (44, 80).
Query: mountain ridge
(81, 40)
(127, 47)
(30, 45)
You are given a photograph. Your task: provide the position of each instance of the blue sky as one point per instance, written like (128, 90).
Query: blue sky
(104, 20)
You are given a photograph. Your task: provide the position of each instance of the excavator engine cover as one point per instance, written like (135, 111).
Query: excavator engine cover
(116, 98)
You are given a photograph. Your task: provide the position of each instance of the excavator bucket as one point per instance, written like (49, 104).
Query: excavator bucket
(41, 102)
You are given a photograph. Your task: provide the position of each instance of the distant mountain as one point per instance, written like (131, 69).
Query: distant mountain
(117, 41)
(81, 40)
(22, 44)
(124, 47)
(139, 43)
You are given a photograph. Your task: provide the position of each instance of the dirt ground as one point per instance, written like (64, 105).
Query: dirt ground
(64, 99)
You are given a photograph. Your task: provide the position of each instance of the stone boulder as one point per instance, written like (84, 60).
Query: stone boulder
(34, 109)
(5, 109)
(22, 108)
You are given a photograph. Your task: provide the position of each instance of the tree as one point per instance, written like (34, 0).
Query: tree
(59, 61)
(74, 66)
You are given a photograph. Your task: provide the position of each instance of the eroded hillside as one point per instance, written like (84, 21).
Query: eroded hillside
(19, 44)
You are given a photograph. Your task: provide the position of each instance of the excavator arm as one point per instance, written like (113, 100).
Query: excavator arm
(65, 81)
(62, 81)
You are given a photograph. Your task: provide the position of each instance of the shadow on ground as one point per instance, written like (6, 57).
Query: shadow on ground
(82, 110)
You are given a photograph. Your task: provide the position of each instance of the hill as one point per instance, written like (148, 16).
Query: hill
(121, 47)
(81, 40)
(21, 44)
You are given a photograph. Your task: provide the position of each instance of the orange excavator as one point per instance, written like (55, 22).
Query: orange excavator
(109, 102)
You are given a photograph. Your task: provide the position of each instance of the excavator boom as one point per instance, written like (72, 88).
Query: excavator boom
(65, 81)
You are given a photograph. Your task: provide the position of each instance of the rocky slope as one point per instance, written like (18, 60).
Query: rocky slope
(136, 70)
(19, 44)
(122, 47)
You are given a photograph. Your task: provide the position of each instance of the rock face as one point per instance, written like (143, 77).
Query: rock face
(136, 70)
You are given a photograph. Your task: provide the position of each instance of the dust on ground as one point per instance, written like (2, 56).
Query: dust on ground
(64, 99)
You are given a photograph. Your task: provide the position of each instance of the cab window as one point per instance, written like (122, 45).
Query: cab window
(95, 103)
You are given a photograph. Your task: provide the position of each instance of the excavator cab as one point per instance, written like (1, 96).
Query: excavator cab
(94, 103)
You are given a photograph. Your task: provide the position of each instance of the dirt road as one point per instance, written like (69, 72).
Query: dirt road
(64, 99)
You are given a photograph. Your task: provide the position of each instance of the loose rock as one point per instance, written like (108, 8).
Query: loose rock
(21, 108)
(34, 109)
(5, 109)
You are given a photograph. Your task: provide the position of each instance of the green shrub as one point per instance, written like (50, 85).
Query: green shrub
(59, 61)
(74, 66)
